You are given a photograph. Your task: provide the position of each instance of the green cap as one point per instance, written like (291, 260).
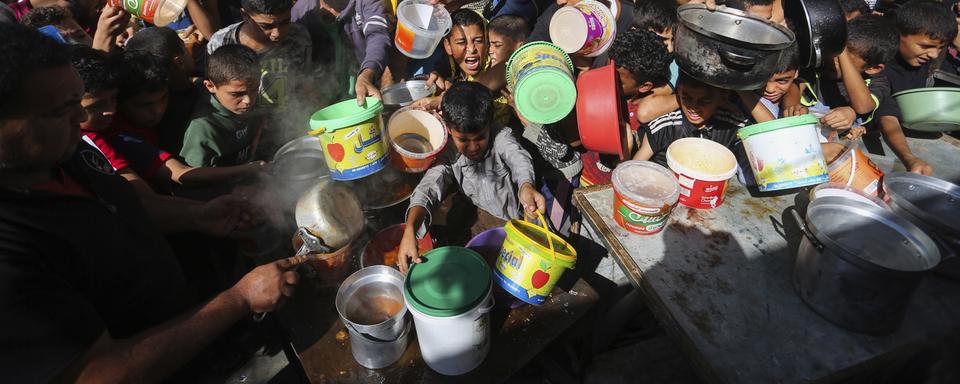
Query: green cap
(345, 114)
(774, 125)
(546, 96)
(449, 282)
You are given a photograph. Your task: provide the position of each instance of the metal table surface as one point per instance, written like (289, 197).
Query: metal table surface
(720, 282)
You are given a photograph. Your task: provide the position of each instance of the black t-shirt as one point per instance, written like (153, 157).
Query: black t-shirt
(903, 77)
(664, 130)
(72, 267)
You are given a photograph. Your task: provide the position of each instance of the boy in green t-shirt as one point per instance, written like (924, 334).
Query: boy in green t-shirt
(223, 132)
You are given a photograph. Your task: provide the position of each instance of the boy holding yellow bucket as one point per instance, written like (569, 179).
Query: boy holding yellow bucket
(489, 168)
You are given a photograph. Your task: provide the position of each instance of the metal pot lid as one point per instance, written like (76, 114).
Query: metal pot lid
(936, 202)
(735, 27)
(871, 234)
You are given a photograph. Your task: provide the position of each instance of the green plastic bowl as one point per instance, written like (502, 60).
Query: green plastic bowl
(930, 109)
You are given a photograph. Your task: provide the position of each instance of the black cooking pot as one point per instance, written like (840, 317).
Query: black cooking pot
(821, 29)
(727, 48)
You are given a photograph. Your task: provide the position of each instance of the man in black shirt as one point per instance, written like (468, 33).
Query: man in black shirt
(701, 114)
(89, 289)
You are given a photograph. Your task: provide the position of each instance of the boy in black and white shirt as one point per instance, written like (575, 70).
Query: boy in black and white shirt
(700, 115)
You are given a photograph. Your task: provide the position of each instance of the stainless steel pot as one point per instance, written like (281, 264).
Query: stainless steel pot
(858, 264)
(331, 212)
(934, 206)
(727, 48)
(820, 27)
(371, 305)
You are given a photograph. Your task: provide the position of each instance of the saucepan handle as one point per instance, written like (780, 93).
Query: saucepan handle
(737, 59)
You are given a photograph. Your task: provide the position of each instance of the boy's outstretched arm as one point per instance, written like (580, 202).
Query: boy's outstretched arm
(176, 171)
(751, 100)
(857, 92)
(409, 251)
(646, 151)
(429, 193)
(376, 33)
(893, 136)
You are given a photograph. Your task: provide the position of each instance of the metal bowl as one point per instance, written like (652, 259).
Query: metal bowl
(930, 109)
(404, 93)
(300, 159)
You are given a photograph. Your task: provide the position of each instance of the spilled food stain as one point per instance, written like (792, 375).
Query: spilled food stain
(686, 277)
(699, 318)
(342, 336)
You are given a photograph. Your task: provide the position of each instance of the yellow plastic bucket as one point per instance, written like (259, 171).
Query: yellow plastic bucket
(352, 138)
(531, 260)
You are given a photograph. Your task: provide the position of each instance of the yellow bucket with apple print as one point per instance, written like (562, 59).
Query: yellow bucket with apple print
(352, 138)
(531, 260)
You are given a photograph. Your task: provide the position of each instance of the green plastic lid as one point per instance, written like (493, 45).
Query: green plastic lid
(774, 125)
(449, 282)
(545, 97)
(345, 114)
(532, 45)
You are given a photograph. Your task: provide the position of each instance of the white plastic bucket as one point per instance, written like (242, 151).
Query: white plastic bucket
(455, 345)
(420, 27)
(785, 153)
(587, 28)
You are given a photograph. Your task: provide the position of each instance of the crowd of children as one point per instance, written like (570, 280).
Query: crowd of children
(185, 113)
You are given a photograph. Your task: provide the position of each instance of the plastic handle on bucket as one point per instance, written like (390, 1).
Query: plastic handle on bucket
(546, 228)
(317, 131)
(487, 308)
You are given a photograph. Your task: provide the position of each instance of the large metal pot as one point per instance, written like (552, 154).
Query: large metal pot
(727, 48)
(858, 264)
(820, 27)
(332, 212)
(934, 206)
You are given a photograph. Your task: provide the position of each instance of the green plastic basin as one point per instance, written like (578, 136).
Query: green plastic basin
(930, 109)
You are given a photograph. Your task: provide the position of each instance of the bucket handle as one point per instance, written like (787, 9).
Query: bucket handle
(318, 131)
(545, 227)
(487, 308)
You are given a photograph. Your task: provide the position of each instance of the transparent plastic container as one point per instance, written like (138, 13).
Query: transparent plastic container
(156, 12)
(420, 27)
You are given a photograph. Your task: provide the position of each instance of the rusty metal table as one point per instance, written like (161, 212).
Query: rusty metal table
(322, 346)
(720, 282)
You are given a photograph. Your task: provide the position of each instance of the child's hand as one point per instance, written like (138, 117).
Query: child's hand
(408, 250)
(839, 118)
(513, 105)
(113, 22)
(438, 81)
(855, 133)
(531, 200)
(365, 87)
(795, 110)
(917, 165)
(430, 103)
(711, 4)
